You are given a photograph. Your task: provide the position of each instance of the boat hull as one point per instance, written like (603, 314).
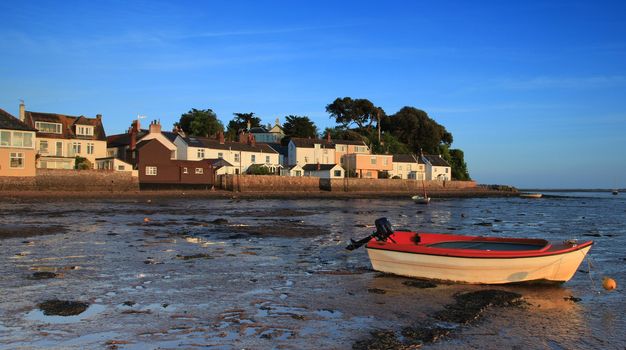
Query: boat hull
(557, 268)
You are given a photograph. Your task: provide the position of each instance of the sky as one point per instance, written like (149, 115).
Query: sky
(534, 92)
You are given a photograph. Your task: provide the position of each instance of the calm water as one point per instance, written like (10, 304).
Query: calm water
(297, 292)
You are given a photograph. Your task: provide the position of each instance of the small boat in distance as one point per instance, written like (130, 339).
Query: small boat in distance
(615, 192)
(530, 195)
(419, 199)
(471, 259)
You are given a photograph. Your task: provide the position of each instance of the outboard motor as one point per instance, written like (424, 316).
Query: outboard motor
(383, 229)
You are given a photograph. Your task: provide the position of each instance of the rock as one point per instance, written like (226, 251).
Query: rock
(42, 275)
(470, 306)
(376, 291)
(419, 284)
(219, 221)
(195, 256)
(57, 307)
(572, 299)
(424, 334)
(129, 303)
(380, 340)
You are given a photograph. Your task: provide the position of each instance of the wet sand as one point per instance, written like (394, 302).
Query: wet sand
(261, 274)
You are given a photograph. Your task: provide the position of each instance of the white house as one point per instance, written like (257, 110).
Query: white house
(303, 151)
(239, 154)
(324, 171)
(294, 170)
(408, 166)
(437, 168)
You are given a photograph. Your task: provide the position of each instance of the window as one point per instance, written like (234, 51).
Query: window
(16, 139)
(399, 167)
(199, 171)
(59, 151)
(120, 167)
(337, 173)
(84, 130)
(200, 153)
(53, 128)
(373, 160)
(253, 158)
(90, 148)
(267, 159)
(76, 147)
(306, 160)
(17, 160)
(185, 171)
(220, 155)
(151, 170)
(298, 173)
(447, 170)
(236, 158)
(43, 147)
(5, 138)
(385, 160)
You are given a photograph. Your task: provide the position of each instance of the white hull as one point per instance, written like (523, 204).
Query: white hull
(559, 267)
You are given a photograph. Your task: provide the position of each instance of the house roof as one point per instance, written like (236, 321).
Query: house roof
(203, 142)
(67, 122)
(349, 142)
(9, 122)
(121, 140)
(313, 167)
(219, 162)
(436, 160)
(284, 150)
(258, 130)
(404, 158)
(310, 143)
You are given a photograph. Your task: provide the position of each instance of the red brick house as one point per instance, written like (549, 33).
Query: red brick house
(158, 169)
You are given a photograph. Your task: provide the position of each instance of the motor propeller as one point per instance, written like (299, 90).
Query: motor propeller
(384, 230)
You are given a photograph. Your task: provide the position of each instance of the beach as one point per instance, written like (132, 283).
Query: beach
(252, 271)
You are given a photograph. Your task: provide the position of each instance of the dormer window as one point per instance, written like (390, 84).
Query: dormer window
(84, 130)
(53, 128)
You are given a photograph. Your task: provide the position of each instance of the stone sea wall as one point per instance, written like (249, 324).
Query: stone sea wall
(72, 180)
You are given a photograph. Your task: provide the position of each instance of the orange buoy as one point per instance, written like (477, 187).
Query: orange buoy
(146, 220)
(609, 283)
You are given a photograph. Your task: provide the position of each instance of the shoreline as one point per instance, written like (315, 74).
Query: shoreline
(222, 194)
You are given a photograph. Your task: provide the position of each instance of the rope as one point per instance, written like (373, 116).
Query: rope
(593, 284)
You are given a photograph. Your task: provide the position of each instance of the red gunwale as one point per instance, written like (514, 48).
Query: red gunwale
(404, 243)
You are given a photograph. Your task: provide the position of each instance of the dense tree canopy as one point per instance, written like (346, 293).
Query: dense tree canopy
(417, 130)
(299, 126)
(348, 111)
(240, 122)
(200, 122)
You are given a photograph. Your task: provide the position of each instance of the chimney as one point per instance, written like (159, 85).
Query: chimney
(242, 136)
(328, 137)
(220, 137)
(155, 127)
(98, 116)
(133, 135)
(22, 110)
(252, 140)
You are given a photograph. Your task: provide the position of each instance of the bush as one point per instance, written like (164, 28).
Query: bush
(257, 169)
(82, 163)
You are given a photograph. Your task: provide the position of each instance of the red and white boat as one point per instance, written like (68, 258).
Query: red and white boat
(472, 259)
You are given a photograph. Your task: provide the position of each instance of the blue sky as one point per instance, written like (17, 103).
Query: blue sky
(533, 92)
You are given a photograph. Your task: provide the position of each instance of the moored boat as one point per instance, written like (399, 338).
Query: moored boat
(615, 192)
(421, 199)
(471, 259)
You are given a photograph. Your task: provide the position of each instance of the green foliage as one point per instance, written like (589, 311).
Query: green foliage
(240, 122)
(361, 112)
(389, 145)
(81, 163)
(200, 122)
(299, 126)
(339, 133)
(459, 167)
(258, 169)
(417, 130)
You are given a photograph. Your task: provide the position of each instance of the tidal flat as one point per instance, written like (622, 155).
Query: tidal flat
(177, 273)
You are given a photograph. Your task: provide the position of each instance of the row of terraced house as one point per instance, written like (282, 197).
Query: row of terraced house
(38, 140)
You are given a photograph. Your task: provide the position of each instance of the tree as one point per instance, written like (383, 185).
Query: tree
(415, 128)
(200, 122)
(240, 122)
(299, 126)
(348, 111)
(338, 133)
(459, 167)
